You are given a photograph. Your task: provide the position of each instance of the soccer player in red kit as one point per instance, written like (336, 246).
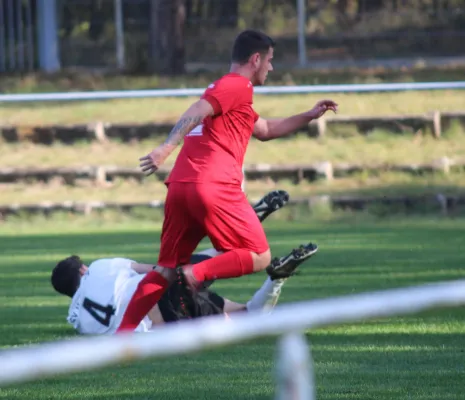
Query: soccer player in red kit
(204, 187)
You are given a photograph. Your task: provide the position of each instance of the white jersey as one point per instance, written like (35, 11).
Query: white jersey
(105, 290)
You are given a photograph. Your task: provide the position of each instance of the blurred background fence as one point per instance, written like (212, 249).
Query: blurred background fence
(172, 35)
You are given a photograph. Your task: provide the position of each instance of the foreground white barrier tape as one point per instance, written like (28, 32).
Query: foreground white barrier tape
(80, 354)
(294, 377)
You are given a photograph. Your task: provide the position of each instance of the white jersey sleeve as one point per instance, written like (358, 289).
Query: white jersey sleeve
(103, 295)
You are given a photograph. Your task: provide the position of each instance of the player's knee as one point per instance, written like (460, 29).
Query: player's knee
(261, 261)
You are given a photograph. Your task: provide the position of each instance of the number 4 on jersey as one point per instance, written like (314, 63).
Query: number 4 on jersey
(96, 310)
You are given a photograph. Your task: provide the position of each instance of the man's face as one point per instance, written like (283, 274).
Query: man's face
(263, 67)
(83, 270)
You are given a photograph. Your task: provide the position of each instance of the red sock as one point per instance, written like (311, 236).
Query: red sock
(148, 293)
(231, 264)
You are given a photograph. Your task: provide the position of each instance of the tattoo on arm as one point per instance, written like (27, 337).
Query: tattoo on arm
(182, 128)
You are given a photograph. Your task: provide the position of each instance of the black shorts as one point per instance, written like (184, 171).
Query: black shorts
(202, 304)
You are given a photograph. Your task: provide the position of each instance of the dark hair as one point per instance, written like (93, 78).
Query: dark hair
(66, 277)
(250, 42)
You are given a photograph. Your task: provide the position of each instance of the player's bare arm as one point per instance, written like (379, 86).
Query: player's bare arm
(268, 129)
(142, 268)
(194, 115)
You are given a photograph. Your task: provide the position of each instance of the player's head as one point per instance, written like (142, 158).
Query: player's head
(254, 50)
(66, 276)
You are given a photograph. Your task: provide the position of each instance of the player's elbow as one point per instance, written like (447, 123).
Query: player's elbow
(259, 137)
(262, 135)
(261, 130)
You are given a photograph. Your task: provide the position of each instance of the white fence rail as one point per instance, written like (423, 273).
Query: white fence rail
(273, 90)
(39, 361)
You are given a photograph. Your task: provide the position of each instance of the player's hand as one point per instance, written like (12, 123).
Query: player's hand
(152, 161)
(321, 107)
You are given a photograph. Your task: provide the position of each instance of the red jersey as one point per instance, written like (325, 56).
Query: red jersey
(214, 151)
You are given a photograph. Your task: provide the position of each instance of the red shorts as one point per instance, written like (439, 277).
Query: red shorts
(221, 212)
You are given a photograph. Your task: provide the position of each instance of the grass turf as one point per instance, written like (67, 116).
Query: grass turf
(120, 191)
(417, 357)
(377, 148)
(168, 110)
(347, 146)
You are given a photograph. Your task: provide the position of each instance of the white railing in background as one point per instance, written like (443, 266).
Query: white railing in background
(271, 90)
(45, 360)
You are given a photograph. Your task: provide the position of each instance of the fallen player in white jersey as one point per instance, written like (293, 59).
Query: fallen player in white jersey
(101, 291)
(107, 285)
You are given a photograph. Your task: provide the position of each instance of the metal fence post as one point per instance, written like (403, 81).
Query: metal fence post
(11, 35)
(30, 42)
(301, 32)
(2, 39)
(119, 27)
(47, 35)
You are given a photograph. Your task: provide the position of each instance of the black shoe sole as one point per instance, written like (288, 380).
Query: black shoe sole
(293, 260)
(274, 200)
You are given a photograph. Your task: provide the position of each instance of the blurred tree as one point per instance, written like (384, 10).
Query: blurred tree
(228, 13)
(366, 6)
(166, 36)
(155, 36)
(223, 13)
(97, 20)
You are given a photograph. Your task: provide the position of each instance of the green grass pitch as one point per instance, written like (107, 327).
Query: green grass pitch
(418, 357)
